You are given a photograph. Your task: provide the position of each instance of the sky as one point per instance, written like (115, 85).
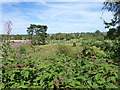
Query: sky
(60, 15)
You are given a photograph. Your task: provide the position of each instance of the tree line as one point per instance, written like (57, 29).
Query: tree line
(39, 36)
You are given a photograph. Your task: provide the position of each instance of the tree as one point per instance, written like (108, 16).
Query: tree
(98, 35)
(7, 30)
(114, 25)
(68, 37)
(37, 33)
(97, 32)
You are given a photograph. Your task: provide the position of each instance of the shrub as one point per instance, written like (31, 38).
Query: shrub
(74, 44)
(63, 49)
(94, 51)
(97, 52)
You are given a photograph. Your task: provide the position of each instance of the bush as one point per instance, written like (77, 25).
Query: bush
(22, 49)
(63, 49)
(93, 51)
(74, 44)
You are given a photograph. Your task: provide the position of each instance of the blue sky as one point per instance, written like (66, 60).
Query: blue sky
(64, 17)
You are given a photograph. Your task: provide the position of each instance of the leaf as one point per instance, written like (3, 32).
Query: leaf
(72, 83)
(24, 86)
(38, 78)
(93, 72)
(111, 79)
(95, 85)
(111, 85)
(38, 67)
(97, 76)
(89, 82)
(12, 77)
(103, 80)
(11, 59)
(100, 82)
(2, 85)
(77, 82)
(78, 87)
(101, 71)
(68, 86)
(116, 74)
(26, 74)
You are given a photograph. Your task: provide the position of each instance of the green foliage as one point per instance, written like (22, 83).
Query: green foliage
(37, 34)
(114, 25)
(90, 64)
(61, 70)
(63, 49)
(22, 49)
(74, 44)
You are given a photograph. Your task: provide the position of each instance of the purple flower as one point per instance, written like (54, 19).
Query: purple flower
(17, 54)
(92, 58)
(10, 44)
(17, 44)
(105, 77)
(28, 42)
(17, 50)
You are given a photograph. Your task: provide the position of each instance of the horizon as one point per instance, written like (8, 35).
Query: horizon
(60, 17)
(58, 32)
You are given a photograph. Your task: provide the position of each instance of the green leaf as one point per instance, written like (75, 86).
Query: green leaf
(26, 74)
(77, 82)
(72, 83)
(97, 76)
(77, 87)
(95, 85)
(93, 72)
(111, 79)
(11, 59)
(2, 85)
(51, 83)
(38, 78)
(103, 80)
(111, 85)
(89, 82)
(100, 82)
(24, 86)
(116, 74)
(12, 77)
(68, 86)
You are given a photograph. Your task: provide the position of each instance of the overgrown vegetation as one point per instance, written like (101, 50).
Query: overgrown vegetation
(84, 61)
(87, 65)
(28, 69)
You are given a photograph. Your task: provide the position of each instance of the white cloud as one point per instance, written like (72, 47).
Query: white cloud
(58, 0)
(22, 0)
(63, 13)
(59, 17)
(53, 0)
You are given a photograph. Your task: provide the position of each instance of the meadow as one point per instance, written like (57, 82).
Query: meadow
(80, 64)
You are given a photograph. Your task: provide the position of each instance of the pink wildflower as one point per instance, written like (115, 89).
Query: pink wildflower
(92, 58)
